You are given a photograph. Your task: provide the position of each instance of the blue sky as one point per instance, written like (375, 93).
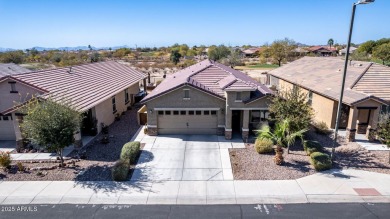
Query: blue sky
(29, 23)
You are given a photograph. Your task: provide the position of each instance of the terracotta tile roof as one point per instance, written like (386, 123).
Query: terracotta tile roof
(11, 69)
(323, 75)
(85, 85)
(315, 48)
(376, 81)
(208, 76)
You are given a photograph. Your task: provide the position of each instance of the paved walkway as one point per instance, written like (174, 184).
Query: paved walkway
(363, 141)
(332, 186)
(185, 157)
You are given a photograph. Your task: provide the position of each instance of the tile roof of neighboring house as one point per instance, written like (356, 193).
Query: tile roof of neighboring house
(324, 74)
(376, 81)
(251, 51)
(209, 76)
(351, 49)
(316, 48)
(11, 69)
(85, 85)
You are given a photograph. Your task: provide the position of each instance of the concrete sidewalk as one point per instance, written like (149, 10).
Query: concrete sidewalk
(332, 186)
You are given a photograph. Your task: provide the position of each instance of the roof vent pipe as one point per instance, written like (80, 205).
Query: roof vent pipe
(70, 70)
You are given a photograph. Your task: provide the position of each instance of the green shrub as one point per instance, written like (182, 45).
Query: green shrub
(320, 161)
(321, 128)
(120, 170)
(130, 151)
(20, 166)
(311, 147)
(5, 159)
(263, 146)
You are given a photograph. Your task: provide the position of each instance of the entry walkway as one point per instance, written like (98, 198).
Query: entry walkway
(184, 157)
(362, 140)
(331, 186)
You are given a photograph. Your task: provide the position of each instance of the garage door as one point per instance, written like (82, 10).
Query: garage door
(187, 122)
(7, 128)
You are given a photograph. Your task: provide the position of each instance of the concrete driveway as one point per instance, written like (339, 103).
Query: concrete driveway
(185, 157)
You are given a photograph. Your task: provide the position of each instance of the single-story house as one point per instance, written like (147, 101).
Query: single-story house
(11, 69)
(352, 49)
(323, 51)
(251, 52)
(207, 98)
(366, 93)
(99, 90)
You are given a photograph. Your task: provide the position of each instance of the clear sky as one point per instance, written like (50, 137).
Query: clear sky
(56, 23)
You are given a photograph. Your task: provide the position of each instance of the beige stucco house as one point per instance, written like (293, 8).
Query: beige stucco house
(99, 90)
(366, 94)
(207, 98)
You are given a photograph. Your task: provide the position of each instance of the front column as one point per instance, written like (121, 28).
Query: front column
(371, 129)
(245, 125)
(145, 89)
(228, 124)
(351, 128)
(18, 133)
(78, 143)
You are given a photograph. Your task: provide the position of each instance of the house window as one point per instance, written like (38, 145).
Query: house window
(238, 96)
(213, 112)
(310, 98)
(175, 112)
(167, 112)
(5, 118)
(183, 112)
(191, 112)
(160, 112)
(198, 112)
(186, 94)
(206, 112)
(113, 104)
(255, 116)
(13, 87)
(126, 96)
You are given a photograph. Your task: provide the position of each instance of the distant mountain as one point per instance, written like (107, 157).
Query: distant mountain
(5, 49)
(75, 48)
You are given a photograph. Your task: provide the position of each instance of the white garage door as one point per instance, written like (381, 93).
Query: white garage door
(7, 128)
(187, 122)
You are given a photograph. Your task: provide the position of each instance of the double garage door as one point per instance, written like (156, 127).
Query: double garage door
(187, 122)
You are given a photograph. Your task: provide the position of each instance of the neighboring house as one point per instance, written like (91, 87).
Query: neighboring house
(366, 94)
(323, 51)
(352, 49)
(207, 98)
(11, 69)
(99, 90)
(251, 52)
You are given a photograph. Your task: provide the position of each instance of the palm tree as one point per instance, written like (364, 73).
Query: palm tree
(281, 136)
(330, 42)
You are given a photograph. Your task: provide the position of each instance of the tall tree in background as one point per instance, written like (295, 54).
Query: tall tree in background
(330, 42)
(367, 47)
(217, 53)
(175, 56)
(233, 59)
(382, 52)
(281, 49)
(90, 47)
(51, 124)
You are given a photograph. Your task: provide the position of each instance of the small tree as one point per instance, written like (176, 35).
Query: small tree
(175, 56)
(291, 104)
(383, 130)
(51, 124)
(281, 49)
(233, 59)
(217, 53)
(382, 52)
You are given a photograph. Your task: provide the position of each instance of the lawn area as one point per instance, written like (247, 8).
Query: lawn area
(257, 66)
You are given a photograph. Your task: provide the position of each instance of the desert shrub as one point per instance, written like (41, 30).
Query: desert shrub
(321, 128)
(311, 147)
(320, 161)
(20, 166)
(263, 146)
(5, 159)
(383, 130)
(120, 170)
(130, 151)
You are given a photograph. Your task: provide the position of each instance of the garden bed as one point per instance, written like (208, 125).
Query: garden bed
(97, 165)
(247, 164)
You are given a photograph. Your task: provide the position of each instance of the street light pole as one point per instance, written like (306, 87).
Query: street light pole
(345, 73)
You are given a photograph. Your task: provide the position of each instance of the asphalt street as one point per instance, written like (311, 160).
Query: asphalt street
(352, 210)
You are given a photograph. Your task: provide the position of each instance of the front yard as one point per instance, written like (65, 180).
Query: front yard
(247, 164)
(99, 158)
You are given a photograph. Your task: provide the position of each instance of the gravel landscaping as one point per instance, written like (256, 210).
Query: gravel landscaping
(249, 165)
(95, 167)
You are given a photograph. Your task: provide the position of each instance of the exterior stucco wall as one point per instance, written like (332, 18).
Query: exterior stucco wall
(174, 99)
(103, 111)
(7, 99)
